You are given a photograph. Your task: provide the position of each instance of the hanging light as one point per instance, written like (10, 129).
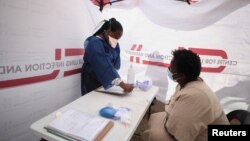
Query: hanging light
(102, 3)
(189, 1)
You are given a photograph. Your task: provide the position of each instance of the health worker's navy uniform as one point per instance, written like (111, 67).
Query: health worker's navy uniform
(101, 63)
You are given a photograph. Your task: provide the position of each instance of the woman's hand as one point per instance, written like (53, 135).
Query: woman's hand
(126, 87)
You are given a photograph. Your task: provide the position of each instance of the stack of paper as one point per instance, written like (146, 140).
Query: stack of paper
(75, 125)
(112, 90)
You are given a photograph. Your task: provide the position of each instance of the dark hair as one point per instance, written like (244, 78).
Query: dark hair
(187, 63)
(112, 24)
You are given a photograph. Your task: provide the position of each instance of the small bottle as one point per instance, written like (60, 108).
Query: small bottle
(131, 75)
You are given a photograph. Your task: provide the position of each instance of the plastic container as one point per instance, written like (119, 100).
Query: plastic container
(131, 75)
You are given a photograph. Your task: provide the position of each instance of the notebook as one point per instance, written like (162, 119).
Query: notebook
(73, 125)
(117, 90)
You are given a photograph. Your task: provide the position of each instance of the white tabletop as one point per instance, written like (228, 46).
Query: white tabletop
(138, 101)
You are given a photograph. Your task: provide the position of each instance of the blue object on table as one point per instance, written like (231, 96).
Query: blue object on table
(108, 112)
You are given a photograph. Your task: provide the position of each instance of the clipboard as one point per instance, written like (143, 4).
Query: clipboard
(104, 131)
(116, 90)
(100, 136)
(63, 127)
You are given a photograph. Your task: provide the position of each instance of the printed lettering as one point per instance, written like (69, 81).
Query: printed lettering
(215, 131)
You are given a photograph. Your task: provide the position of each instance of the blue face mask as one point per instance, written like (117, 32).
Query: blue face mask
(170, 75)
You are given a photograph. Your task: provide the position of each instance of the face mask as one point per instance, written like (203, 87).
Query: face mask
(113, 42)
(170, 75)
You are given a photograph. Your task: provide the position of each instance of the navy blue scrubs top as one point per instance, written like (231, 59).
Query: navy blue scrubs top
(101, 61)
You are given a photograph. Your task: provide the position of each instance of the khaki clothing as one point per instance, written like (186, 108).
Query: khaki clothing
(187, 115)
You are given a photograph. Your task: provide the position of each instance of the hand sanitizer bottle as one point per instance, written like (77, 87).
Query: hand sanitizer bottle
(131, 75)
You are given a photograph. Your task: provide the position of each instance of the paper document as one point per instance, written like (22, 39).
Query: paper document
(113, 90)
(78, 125)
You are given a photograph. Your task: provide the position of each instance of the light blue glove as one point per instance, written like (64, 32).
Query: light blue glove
(143, 85)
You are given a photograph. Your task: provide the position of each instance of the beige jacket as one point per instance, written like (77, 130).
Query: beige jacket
(187, 115)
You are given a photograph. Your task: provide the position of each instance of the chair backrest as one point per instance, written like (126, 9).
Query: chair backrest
(239, 117)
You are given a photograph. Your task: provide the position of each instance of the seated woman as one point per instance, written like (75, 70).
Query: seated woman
(191, 108)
